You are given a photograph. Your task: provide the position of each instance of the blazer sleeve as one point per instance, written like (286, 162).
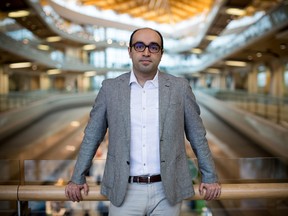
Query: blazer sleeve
(196, 135)
(93, 135)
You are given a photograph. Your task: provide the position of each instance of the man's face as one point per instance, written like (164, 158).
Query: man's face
(146, 61)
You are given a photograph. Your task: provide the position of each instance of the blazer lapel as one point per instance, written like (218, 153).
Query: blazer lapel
(164, 99)
(124, 103)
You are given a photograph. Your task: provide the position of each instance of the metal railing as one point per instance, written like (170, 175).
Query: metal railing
(271, 108)
(35, 181)
(57, 193)
(16, 100)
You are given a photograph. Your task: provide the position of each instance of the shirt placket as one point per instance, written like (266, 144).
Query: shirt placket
(144, 130)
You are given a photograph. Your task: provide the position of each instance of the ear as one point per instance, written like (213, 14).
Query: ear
(162, 51)
(129, 51)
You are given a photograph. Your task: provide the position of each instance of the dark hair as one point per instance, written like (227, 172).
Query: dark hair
(161, 37)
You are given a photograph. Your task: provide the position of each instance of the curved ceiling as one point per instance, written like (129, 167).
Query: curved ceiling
(160, 11)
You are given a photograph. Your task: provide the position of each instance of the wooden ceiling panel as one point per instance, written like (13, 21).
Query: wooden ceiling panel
(161, 11)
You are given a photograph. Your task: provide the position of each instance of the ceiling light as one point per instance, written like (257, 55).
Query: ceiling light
(213, 70)
(17, 14)
(89, 47)
(53, 39)
(43, 47)
(196, 50)
(34, 67)
(109, 41)
(258, 54)
(53, 71)
(211, 37)
(20, 65)
(90, 73)
(236, 63)
(235, 11)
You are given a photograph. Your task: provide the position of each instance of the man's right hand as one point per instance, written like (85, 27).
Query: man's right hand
(73, 191)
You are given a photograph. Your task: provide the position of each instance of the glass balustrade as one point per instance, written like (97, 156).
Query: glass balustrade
(230, 171)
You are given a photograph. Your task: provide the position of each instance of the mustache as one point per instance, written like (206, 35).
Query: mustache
(145, 59)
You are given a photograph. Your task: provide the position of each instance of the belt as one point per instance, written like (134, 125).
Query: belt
(144, 179)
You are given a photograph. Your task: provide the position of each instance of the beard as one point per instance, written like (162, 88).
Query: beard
(146, 68)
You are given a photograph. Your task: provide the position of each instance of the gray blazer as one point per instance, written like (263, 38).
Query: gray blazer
(179, 115)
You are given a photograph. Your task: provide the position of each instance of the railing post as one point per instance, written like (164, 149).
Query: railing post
(23, 209)
(266, 107)
(278, 104)
(256, 105)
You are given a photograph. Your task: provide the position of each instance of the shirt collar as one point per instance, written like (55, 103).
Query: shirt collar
(133, 79)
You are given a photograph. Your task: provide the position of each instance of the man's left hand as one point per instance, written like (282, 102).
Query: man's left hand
(211, 191)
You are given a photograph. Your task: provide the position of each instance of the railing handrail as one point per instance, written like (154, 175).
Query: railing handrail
(56, 193)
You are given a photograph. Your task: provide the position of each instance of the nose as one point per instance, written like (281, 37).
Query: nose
(146, 52)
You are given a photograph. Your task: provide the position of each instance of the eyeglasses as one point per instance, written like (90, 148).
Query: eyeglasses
(152, 47)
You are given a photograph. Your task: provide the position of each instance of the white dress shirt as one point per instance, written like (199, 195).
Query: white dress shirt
(144, 109)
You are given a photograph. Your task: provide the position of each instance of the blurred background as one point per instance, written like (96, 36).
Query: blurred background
(54, 55)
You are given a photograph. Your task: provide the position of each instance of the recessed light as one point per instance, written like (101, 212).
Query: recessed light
(20, 65)
(196, 50)
(213, 70)
(235, 11)
(211, 37)
(43, 47)
(53, 71)
(53, 39)
(258, 54)
(17, 14)
(90, 73)
(89, 47)
(236, 63)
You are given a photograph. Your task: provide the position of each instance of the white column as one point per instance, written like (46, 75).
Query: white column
(45, 83)
(252, 79)
(277, 88)
(4, 81)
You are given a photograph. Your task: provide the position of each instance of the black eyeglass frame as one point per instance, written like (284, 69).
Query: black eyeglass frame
(145, 46)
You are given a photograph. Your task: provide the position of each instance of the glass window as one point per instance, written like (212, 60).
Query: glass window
(117, 34)
(21, 34)
(263, 79)
(99, 34)
(117, 58)
(98, 58)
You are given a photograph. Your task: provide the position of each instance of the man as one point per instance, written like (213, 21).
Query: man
(147, 113)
